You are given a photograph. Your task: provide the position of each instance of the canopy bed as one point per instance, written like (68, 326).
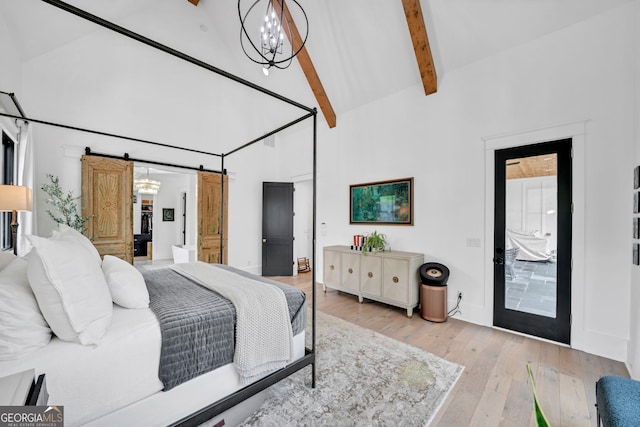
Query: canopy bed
(121, 380)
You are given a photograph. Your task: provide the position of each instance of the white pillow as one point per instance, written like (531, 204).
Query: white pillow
(126, 283)
(6, 258)
(23, 329)
(70, 288)
(67, 233)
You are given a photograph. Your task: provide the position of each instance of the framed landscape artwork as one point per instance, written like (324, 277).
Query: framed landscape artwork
(384, 202)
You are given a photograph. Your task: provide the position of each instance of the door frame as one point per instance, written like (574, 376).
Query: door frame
(557, 328)
(576, 132)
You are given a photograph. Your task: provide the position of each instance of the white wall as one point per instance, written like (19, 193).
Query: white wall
(633, 359)
(583, 72)
(91, 83)
(168, 233)
(10, 76)
(9, 61)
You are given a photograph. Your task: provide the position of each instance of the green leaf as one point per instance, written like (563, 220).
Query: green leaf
(65, 206)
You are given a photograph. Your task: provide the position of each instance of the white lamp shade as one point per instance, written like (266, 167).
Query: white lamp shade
(15, 198)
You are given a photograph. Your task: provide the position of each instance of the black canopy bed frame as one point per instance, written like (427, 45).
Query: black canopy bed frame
(309, 357)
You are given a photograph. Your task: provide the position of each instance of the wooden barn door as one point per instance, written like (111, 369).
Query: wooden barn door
(209, 217)
(107, 189)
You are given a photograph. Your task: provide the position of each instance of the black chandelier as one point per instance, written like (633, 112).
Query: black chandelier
(274, 47)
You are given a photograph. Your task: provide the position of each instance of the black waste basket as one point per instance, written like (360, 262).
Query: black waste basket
(433, 291)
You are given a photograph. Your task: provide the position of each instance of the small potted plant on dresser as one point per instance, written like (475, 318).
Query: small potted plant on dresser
(375, 242)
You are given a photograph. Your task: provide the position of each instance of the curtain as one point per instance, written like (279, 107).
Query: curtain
(26, 177)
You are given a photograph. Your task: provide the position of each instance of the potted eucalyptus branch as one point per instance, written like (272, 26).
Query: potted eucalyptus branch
(65, 204)
(375, 242)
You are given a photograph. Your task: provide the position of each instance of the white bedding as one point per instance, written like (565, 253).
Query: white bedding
(90, 381)
(264, 337)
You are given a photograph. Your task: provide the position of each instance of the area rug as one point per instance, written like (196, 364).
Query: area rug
(363, 379)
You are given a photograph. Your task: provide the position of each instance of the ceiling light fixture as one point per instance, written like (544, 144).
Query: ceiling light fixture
(147, 185)
(277, 30)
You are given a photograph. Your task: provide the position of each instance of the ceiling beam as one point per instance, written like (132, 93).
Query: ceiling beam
(418, 31)
(309, 70)
(194, 2)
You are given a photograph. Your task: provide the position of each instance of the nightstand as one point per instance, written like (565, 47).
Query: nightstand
(23, 389)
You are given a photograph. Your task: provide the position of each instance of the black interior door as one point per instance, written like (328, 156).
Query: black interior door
(532, 240)
(277, 229)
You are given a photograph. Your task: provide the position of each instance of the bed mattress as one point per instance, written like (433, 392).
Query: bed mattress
(117, 381)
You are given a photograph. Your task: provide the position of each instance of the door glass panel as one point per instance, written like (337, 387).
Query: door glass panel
(531, 204)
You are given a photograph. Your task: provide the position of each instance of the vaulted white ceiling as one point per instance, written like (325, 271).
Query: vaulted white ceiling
(361, 49)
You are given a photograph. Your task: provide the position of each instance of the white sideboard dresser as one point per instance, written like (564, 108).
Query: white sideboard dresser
(391, 276)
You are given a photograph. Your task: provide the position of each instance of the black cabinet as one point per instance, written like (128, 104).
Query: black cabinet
(140, 244)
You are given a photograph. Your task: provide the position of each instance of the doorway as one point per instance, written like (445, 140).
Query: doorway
(532, 239)
(163, 219)
(303, 221)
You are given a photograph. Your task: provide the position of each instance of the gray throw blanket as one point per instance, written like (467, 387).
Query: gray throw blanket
(198, 325)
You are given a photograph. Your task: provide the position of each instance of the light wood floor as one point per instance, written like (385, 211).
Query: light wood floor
(493, 389)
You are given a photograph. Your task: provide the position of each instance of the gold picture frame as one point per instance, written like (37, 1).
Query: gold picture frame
(384, 202)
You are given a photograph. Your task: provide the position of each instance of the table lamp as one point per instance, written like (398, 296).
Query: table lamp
(15, 198)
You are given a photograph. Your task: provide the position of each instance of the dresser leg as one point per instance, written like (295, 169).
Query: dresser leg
(360, 299)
